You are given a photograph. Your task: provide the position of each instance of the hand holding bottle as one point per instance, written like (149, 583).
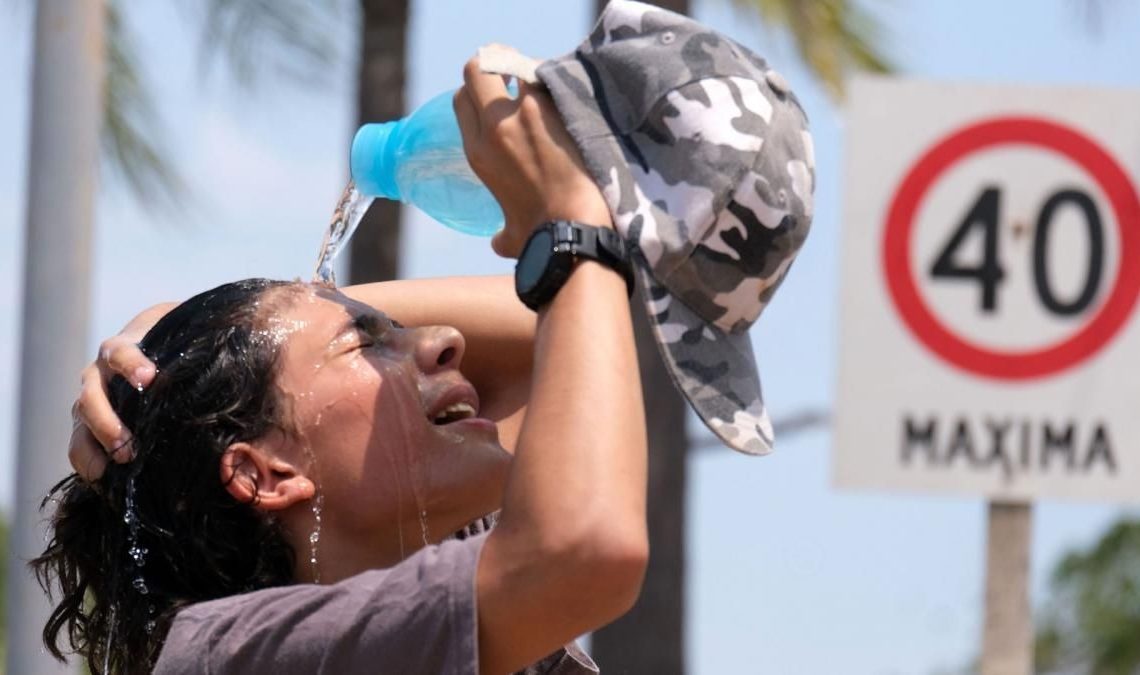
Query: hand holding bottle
(520, 149)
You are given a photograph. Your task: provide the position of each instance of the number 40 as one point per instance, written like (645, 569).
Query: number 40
(989, 272)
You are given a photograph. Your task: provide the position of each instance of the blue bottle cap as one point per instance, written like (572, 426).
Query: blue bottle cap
(371, 162)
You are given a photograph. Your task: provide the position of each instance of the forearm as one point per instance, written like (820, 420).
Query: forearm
(582, 447)
(571, 548)
(571, 543)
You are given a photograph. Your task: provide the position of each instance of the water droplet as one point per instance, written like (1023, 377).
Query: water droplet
(137, 554)
(110, 639)
(315, 536)
(135, 551)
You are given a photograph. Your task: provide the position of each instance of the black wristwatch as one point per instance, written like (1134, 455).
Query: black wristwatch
(548, 258)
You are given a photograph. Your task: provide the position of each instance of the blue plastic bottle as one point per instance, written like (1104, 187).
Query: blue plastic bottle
(419, 160)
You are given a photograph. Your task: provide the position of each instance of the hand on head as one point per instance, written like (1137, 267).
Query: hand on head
(98, 433)
(521, 150)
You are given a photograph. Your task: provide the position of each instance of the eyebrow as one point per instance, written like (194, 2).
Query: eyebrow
(368, 324)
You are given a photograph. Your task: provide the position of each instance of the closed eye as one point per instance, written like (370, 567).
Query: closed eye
(373, 330)
(368, 330)
(368, 325)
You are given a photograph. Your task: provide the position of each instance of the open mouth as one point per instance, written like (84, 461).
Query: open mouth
(458, 403)
(456, 412)
(478, 526)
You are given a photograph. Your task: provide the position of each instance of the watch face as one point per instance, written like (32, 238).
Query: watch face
(533, 260)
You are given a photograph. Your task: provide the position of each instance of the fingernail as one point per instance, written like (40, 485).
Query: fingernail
(139, 376)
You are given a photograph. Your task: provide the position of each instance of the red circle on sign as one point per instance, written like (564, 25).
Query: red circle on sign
(977, 359)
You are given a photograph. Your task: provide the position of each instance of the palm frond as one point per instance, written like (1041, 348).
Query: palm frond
(130, 123)
(834, 37)
(294, 38)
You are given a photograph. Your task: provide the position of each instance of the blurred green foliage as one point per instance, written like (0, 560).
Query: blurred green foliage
(295, 38)
(835, 38)
(1091, 623)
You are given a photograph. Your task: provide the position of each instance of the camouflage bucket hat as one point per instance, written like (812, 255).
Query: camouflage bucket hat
(703, 155)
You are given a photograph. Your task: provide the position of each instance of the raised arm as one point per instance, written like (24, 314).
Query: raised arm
(498, 329)
(570, 550)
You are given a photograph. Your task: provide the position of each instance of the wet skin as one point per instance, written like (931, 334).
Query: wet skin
(377, 417)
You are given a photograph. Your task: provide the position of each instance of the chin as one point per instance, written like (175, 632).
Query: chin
(468, 482)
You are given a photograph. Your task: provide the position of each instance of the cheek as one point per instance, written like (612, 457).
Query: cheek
(363, 426)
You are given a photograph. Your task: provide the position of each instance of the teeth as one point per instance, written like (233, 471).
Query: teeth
(460, 408)
(455, 411)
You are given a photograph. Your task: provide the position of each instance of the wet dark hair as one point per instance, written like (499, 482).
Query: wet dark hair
(119, 573)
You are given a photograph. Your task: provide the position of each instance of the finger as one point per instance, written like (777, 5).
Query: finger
(123, 357)
(484, 89)
(504, 244)
(124, 451)
(93, 409)
(466, 115)
(497, 243)
(85, 455)
(539, 91)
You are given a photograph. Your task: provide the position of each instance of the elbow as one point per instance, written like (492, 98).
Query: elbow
(603, 573)
(623, 567)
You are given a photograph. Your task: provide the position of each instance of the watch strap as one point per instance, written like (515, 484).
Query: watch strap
(601, 244)
(574, 241)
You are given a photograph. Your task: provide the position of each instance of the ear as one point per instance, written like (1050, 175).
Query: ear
(254, 475)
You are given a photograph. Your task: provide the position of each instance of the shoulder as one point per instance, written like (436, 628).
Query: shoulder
(362, 624)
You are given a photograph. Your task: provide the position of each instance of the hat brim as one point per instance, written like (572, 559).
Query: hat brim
(715, 370)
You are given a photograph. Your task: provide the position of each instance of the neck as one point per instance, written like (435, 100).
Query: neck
(341, 554)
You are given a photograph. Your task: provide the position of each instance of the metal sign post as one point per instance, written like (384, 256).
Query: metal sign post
(1007, 632)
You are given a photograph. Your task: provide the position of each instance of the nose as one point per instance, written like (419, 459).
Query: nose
(439, 348)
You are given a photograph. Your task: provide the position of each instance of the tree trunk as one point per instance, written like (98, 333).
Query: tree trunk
(67, 86)
(651, 637)
(375, 249)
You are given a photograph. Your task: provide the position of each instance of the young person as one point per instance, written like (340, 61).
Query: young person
(293, 434)
(705, 169)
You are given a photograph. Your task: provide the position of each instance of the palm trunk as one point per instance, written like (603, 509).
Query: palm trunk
(651, 638)
(375, 251)
(67, 89)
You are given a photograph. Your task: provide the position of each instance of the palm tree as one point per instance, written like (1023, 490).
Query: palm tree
(291, 37)
(380, 97)
(833, 37)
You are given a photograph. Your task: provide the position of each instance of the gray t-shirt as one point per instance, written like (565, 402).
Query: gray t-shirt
(416, 617)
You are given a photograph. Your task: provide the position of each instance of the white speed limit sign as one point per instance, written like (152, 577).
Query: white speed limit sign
(991, 272)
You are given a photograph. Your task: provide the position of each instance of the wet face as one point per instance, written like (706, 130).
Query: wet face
(386, 423)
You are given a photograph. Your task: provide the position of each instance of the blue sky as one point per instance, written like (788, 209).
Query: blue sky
(787, 574)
